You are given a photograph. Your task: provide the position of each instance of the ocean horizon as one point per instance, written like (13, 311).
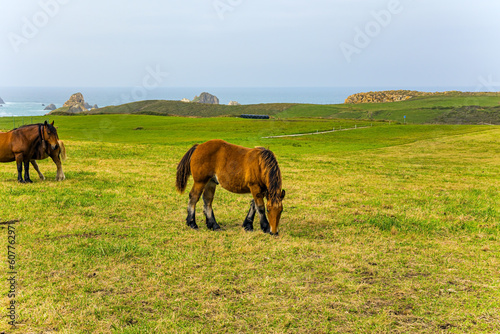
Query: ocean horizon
(31, 101)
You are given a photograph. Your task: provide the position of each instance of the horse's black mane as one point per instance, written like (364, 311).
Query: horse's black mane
(274, 187)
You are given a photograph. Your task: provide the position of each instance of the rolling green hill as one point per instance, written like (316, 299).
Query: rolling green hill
(446, 108)
(177, 108)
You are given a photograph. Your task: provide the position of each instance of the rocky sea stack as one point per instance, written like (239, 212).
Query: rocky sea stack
(50, 107)
(75, 104)
(206, 98)
(1, 101)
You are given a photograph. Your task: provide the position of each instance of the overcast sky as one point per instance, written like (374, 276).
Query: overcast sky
(231, 43)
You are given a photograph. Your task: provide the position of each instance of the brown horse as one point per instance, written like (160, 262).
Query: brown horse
(25, 143)
(239, 170)
(57, 155)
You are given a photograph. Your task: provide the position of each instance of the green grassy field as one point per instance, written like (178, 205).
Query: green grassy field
(389, 228)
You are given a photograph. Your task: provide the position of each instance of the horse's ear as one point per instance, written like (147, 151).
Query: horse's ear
(45, 123)
(52, 123)
(282, 194)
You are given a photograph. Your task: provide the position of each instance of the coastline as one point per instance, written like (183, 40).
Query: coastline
(31, 101)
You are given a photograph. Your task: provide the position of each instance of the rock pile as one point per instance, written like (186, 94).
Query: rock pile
(50, 107)
(76, 103)
(384, 96)
(402, 95)
(206, 98)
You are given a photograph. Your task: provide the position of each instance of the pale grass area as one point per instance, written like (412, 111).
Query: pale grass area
(403, 239)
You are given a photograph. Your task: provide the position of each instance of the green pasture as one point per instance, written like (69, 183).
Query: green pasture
(386, 228)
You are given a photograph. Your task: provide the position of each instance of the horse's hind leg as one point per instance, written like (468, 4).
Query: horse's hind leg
(194, 196)
(208, 197)
(248, 223)
(35, 166)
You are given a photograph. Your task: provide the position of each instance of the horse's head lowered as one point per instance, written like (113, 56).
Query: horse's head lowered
(49, 134)
(275, 194)
(274, 209)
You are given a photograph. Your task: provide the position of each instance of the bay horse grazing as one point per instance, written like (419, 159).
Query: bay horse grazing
(57, 155)
(24, 144)
(239, 170)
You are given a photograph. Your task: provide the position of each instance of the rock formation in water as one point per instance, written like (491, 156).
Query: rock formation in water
(206, 98)
(76, 103)
(1, 101)
(50, 107)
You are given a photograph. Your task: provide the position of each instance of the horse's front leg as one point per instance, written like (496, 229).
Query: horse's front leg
(19, 162)
(60, 174)
(35, 166)
(261, 209)
(248, 223)
(194, 196)
(27, 172)
(208, 198)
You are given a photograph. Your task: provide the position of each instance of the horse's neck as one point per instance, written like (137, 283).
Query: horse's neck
(31, 133)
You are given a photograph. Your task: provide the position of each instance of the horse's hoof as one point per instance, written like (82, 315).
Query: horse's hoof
(21, 181)
(193, 226)
(274, 234)
(248, 227)
(29, 181)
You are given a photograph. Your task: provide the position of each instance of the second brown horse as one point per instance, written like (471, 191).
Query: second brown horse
(24, 144)
(239, 170)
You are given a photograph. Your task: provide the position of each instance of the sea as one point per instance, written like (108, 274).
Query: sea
(31, 101)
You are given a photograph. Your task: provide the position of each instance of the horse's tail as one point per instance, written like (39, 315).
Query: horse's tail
(184, 170)
(62, 150)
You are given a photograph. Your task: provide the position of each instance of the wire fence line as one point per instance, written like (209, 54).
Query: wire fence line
(318, 132)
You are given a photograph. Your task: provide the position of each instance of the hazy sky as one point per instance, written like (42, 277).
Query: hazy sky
(225, 43)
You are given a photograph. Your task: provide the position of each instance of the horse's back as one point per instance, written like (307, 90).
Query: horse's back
(229, 163)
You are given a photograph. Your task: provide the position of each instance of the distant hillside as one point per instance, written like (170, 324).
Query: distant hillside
(403, 95)
(470, 115)
(427, 108)
(445, 108)
(177, 108)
